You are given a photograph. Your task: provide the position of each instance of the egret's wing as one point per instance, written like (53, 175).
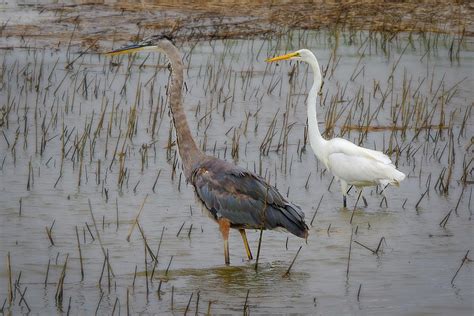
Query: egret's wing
(377, 155)
(362, 170)
(244, 198)
(340, 145)
(353, 168)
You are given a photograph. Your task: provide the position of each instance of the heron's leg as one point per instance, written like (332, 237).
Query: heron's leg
(224, 226)
(246, 243)
(344, 192)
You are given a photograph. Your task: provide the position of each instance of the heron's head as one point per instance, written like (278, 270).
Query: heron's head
(300, 55)
(153, 43)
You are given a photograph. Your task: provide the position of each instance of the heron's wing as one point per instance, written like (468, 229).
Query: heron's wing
(245, 199)
(343, 146)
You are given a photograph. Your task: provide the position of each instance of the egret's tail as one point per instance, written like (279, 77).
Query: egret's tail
(395, 178)
(398, 177)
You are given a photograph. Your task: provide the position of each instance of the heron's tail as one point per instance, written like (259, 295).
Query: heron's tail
(289, 217)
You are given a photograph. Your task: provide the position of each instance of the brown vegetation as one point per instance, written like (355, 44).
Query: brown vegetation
(126, 20)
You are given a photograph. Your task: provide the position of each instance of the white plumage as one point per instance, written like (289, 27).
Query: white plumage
(349, 163)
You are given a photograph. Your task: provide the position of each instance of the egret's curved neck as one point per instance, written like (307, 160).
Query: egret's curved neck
(315, 138)
(188, 150)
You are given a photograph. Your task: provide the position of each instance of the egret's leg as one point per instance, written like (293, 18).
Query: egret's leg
(359, 191)
(344, 192)
(383, 190)
(246, 243)
(224, 226)
(355, 206)
(384, 198)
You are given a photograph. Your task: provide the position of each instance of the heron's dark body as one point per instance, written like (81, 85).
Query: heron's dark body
(244, 198)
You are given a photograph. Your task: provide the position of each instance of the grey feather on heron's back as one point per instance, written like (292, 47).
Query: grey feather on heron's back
(244, 198)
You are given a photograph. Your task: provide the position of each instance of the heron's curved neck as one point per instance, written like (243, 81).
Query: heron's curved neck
(315, 138)
(188, 150)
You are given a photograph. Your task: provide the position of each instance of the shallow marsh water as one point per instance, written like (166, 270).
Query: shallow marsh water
(233, 97)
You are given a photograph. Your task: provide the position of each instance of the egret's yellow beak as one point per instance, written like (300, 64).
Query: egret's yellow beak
(282, 57)
(130, 49)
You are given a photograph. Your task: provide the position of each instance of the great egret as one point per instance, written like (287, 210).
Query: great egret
(349, 163)
(235, 197)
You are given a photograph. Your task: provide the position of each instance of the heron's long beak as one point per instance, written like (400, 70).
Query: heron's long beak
(130, 49)
(282, 57)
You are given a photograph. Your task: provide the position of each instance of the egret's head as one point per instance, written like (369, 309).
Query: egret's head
(153, 43)
(300, 55)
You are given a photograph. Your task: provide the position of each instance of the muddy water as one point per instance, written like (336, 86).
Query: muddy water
(49, 104)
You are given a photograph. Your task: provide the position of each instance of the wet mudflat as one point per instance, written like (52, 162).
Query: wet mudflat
(87, 142)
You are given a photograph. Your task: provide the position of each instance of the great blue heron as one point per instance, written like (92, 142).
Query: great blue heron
(349, 163)
(236, 197)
